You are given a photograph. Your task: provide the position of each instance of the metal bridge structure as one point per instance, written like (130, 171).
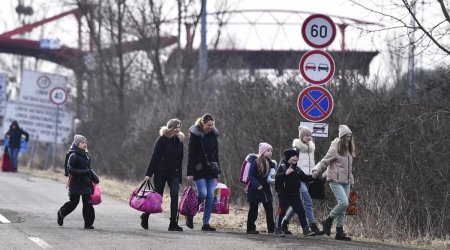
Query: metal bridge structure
(224, 58)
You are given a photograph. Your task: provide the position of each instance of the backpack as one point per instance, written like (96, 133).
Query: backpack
(245, 168)
(66, 171)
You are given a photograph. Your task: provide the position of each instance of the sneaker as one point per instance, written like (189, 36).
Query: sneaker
(190, 221)
(89, 227)
(207, 227)
(278, 232)
(144, 220)
(252, 232)
(307, 232)
(60, 219)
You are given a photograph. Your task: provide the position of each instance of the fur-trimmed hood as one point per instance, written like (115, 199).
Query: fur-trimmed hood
(303, 147)
(197, 131)
(165, 131)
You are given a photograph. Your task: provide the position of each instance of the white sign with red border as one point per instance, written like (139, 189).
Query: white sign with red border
(35, 87)
(317, 67)
(58, 95)
(318, 31)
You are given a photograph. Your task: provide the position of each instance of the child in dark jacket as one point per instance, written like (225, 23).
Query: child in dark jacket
(259, 188)
(287, 185)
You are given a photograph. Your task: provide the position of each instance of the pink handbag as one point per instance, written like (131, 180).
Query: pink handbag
(146, 200)
(221, 200)
(96, 196)
(188, 202)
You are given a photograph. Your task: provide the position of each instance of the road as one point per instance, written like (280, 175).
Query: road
(28, 207)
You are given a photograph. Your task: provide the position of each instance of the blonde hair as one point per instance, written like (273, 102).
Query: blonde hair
(262, 165)
(350, 147)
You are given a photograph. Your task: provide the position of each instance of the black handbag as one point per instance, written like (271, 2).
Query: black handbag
(213, 166)
(317, 189)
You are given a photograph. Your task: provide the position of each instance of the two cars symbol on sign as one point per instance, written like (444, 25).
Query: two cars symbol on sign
(315, 103)
(316, 67)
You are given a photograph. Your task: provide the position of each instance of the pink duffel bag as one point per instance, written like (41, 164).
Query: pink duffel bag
(146, 200)
(188, 202)
(221, 200)
(96, 196)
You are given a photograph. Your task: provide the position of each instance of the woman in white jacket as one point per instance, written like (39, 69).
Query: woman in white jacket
(305, 146)
(338, 165)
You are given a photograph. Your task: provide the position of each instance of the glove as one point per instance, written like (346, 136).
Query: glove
(94, 177)
(315, 173)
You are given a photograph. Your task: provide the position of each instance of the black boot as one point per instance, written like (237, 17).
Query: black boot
(326, 224)
(60, 219)
(315, 229)
(190, 221)
(144, 220)
(173, 226)
(285, 227)
(340, 235)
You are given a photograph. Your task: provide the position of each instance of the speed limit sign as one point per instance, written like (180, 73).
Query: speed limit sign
(58, 95)
(318, 31)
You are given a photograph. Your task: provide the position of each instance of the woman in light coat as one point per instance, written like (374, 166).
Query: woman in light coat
(338, 165)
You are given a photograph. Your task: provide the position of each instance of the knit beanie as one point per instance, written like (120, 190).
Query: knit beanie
(303, 131)
(343, 130)
(77, 139)
(173, 123)
(290, 152)
(263, 147)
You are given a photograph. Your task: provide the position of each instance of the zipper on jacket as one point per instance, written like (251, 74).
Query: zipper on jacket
(348, 169)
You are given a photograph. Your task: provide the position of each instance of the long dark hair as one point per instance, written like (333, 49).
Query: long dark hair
(343, 147)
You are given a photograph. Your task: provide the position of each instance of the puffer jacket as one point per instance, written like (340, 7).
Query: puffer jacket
(167, 156)
(197, 161)
(81, 175)
(289, 185)
(306, 155)
(253, 194)
(338, 168)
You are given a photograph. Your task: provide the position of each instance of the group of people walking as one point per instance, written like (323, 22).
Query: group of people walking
(292, 177)
(295, 172)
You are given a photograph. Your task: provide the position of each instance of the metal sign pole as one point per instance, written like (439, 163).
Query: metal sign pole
(56, 134)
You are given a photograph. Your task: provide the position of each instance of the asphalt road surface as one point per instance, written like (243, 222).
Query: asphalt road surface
(28, 207)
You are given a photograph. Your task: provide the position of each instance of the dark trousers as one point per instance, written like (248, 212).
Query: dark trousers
(88, 209)
(291, 201)
(174, 186)
(253, 215)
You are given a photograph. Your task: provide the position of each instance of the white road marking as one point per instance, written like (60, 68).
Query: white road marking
(3, 219)
(40, 242)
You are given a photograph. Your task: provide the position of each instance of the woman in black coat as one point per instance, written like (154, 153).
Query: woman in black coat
(165, 167)
(81, 179)
(14, 135)
(203, 165)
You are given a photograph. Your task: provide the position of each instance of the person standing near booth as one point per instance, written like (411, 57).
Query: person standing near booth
(14, 136)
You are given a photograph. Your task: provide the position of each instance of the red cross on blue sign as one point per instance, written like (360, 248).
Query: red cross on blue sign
(315, 103)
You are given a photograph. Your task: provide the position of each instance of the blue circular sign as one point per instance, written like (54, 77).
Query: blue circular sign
(315, 103)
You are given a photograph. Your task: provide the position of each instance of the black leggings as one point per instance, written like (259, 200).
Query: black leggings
(88, 209)
(253, 215)
(174, 186)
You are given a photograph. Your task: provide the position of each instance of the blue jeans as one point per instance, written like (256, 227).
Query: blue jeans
(307, 204)
(340, 192)
(14, 154)
(205, 189)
